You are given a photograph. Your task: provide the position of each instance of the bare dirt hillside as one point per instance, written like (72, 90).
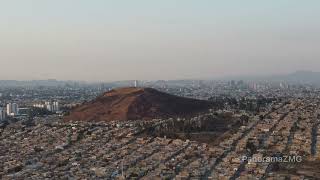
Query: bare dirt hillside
(137, 103)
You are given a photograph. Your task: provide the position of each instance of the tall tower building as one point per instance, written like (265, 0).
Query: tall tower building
(9, 109)
(56, 106)
(49, 107)
(15, 109)
(12, 109)
(2, 114)
(136, 83)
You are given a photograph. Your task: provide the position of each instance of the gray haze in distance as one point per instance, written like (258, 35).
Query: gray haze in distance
(167, 39)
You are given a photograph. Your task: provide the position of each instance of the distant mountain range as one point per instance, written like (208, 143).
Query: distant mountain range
(301, 77)
(304, 77)
(49, 82)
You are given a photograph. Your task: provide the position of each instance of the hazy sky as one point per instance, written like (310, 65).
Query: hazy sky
(104, 40)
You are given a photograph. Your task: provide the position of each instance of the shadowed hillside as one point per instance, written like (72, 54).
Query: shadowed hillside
(137, 103)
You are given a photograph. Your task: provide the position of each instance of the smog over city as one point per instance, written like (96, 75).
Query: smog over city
(171, 89)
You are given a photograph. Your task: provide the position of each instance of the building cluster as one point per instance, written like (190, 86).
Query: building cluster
(121, 150)
(66, 95)
(9, 111)
(69, 95)
(12, 109)
(49, 105)
(278, 134)
(51, 149)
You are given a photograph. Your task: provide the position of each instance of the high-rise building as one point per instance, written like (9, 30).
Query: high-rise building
(15, 108)
(136, 83)
(56, 106)
(9, 109)
(2, 114)
(50, 106)
(12, 109)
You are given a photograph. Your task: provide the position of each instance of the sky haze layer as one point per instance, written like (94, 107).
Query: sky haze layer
(106, 40)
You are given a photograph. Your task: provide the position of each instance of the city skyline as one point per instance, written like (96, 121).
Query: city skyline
(170, 89)
(111, 41)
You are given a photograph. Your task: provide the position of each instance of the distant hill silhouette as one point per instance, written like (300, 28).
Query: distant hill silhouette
(137, 103)
(301, 77)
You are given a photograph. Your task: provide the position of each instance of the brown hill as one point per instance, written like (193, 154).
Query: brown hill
(136, 103)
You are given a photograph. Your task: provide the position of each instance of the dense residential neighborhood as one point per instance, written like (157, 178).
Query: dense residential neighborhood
(278, 140)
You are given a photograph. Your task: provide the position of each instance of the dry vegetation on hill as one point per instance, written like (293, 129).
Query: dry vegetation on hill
(137, 103)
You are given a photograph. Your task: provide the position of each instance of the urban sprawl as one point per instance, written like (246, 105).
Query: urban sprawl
(278, 120)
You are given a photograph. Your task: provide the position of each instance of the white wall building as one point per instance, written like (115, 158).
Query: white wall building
(9, 108)
(56, 106)
(12, 109)
(50, 106)
(136, 83)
